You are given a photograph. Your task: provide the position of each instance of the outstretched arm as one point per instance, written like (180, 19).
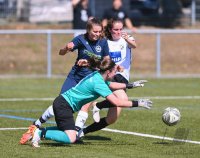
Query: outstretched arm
(116, 85)
(115, 101)
(67, 48)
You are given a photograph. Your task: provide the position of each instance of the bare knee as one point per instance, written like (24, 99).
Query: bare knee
(72, 135)
(121, 94)
(110, 120)
(86, 107)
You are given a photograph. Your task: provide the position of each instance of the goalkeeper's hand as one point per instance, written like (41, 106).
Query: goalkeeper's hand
(136, 84)
(145, 103)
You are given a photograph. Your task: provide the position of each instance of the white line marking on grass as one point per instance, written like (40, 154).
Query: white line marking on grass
(7, 129)
(167, 97)
(26, 99)
(126, 132)
(150, 136)
(149, 97)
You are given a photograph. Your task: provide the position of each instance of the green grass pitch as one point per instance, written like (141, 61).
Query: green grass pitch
(183, 94)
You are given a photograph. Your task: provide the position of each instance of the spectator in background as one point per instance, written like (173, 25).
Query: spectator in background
(118, 12)
(81, 13)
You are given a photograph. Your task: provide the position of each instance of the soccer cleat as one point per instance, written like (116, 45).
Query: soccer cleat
(36, 139)
(28, 135)
(79, 134)
(95, 112)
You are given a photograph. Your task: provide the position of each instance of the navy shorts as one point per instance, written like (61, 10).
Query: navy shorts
(63, 114)
(120, 79)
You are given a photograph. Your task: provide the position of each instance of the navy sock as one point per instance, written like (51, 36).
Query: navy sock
(104, 104)
(96, 126)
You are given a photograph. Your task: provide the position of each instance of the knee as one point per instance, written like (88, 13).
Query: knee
(72, 136)
(121, 94)
(73, 139)
(110, 120)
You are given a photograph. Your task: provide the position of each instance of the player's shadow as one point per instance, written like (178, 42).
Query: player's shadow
(162, 143)
(169, 143)
(96, 138)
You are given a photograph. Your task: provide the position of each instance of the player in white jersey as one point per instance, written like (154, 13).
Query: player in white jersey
(121, 54)
(120, 45)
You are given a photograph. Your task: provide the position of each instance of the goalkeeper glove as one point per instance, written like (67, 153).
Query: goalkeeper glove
(145, 103)
(136, 84)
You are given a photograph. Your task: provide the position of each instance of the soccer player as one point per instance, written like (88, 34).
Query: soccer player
(120, 45)
(88, 89)
(91, 41)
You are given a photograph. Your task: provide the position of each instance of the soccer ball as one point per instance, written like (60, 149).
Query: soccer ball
(171, 116)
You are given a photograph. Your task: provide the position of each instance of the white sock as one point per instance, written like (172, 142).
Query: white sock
(81, 119)
(45, 116)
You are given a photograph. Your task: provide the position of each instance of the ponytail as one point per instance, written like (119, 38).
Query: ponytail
(101, 66)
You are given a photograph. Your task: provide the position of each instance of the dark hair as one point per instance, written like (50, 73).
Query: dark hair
(101, 66)
(109, 26)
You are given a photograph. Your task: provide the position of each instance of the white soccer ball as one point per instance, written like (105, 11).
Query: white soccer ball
(171, 116)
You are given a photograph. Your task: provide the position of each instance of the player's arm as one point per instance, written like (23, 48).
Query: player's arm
(116, 85)
(114, 101)
(67, 48)
(129, 39)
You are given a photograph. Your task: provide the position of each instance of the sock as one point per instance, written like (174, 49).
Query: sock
(58, 136)
(96, 126)
(80, 120)
(44, 130)
(45, 116)
(104, 104)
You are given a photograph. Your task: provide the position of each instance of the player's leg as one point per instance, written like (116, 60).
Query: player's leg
(97, 106)
(82, 117)
(66, 137)
(65, 122)
(112, 116)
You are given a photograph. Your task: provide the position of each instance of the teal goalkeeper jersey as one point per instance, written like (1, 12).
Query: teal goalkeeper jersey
(88, 89)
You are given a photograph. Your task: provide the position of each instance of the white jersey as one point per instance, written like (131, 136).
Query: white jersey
(121, 55)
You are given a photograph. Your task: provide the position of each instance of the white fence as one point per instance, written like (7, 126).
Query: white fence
(158, 44)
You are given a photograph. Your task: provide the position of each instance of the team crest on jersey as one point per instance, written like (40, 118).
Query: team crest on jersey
(98, 48)
(121, 15)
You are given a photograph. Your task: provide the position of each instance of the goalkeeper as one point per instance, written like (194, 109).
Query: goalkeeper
(89, 89)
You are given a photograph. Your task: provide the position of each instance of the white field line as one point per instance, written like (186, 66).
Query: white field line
(7, 129)
(150, 136)
(149, 97)
(126, 132)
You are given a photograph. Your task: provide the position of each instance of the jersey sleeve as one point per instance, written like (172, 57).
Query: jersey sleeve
(105, 48)
(77, 42)
(102, 88)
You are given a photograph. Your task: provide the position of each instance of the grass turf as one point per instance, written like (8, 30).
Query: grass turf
(103, 143)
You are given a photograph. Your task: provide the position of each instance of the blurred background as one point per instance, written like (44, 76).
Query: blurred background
(33, 31)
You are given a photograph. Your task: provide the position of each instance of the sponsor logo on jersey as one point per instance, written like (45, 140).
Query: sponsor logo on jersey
(116, 56)
(121, 15)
